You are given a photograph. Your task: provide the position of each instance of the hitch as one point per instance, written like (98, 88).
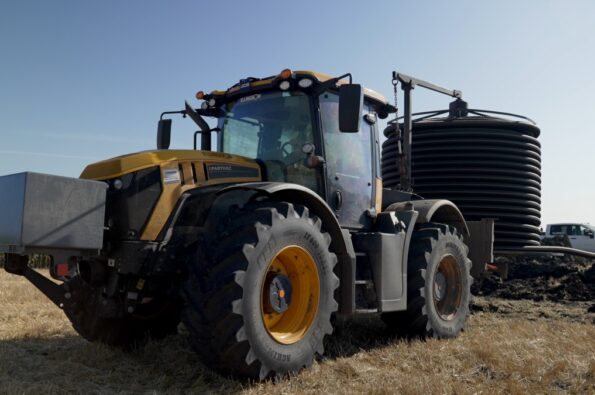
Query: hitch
(59, 294)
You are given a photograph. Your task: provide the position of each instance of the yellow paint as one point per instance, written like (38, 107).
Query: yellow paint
(189, 163)
(298, 265)
(378, 201)
(140, 284)
(125, 164)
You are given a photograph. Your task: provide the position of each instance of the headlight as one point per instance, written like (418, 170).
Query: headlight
(305, 83)
(284, 85)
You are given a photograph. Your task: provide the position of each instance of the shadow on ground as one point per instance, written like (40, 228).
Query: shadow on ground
(70, 364)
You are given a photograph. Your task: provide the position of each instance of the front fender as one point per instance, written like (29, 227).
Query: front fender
(341, 242)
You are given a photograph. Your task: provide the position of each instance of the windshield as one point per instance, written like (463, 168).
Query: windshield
(271, 127)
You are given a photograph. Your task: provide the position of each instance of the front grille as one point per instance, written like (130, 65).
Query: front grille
(129, 208)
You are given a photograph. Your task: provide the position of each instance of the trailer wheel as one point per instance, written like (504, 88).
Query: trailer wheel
(438, 285)
(152, 321)
(259, 297)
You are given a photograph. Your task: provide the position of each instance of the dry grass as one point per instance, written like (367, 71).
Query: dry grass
(509, 347)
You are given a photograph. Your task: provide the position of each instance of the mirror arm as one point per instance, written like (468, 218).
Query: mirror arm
(201, 133)
(196, 134)
(172, 112)
(202, 124)
(331, 83)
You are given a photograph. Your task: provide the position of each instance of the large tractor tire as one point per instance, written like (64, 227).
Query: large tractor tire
(151, 321)
(259, 296)
(438, 285)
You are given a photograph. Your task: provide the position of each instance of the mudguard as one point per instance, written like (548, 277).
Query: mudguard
(435, 210)
(216, 201)
(341, 242)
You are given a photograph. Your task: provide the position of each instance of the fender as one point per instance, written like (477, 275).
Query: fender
(435, 210)
(424, 211)
(201, 206)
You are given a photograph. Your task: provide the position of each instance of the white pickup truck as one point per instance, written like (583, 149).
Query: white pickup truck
(581, 236)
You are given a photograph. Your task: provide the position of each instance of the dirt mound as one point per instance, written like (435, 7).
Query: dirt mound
(539, 278)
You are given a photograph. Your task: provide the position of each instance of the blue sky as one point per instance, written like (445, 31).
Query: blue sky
(84, 81)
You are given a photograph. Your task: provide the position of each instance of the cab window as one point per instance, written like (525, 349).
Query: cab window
(272, 127)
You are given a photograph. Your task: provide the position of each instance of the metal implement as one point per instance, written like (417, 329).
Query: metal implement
(45, 212)
(541, 250)
(408, 83)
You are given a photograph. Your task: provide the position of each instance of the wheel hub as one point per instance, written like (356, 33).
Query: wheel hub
(279, 296)
(290, 295)
(447, 289)
(439, 286)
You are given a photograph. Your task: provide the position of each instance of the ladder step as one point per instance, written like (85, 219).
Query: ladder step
(365, 311)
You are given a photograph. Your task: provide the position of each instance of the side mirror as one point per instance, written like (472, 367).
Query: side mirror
(351, 103)
(163, 133)
(591, 234)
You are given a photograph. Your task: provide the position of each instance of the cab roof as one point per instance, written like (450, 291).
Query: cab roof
(252, 84)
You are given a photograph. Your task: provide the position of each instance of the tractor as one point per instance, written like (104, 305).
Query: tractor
(255, 245)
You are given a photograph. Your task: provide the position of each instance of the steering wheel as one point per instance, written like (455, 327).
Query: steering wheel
(291, 157)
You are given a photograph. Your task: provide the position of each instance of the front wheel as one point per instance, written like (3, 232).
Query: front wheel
(438, 285)
(152, 321)
(259, 299)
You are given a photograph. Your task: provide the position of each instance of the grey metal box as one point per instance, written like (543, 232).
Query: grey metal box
(41, 211)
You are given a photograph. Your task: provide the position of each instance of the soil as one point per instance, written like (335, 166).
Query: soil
(555, 278)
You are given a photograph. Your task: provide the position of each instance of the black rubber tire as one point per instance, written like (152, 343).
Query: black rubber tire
(430, 243)
(223, 291)
(128, 332)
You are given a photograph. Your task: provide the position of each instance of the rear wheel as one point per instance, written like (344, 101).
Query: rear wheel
(259, 301)
(439, 284)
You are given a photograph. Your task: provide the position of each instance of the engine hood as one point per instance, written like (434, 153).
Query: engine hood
(221, 165)
(177, 171)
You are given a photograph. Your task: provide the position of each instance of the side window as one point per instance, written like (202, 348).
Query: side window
(245, 141)
(556, 230)
(349, 164)
(573, 230)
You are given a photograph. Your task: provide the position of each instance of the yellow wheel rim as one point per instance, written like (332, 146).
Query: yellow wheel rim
(298, 270)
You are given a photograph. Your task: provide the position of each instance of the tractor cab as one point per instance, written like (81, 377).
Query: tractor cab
(304, 128)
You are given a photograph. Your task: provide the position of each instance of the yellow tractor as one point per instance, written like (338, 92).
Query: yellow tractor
(254, 247)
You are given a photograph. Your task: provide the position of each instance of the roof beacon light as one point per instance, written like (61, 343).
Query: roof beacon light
(305, 83)
(285, 74)
(200, 95)
(284, 85)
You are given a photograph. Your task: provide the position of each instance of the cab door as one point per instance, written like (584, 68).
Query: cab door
(349, 166)
(580, 237)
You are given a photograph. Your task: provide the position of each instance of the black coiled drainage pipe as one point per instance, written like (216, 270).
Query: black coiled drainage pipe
(489, 167)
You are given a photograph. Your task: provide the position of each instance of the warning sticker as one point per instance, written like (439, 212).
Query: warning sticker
(171, 176)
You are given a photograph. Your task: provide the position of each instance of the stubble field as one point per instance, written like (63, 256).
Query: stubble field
(510, 346)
